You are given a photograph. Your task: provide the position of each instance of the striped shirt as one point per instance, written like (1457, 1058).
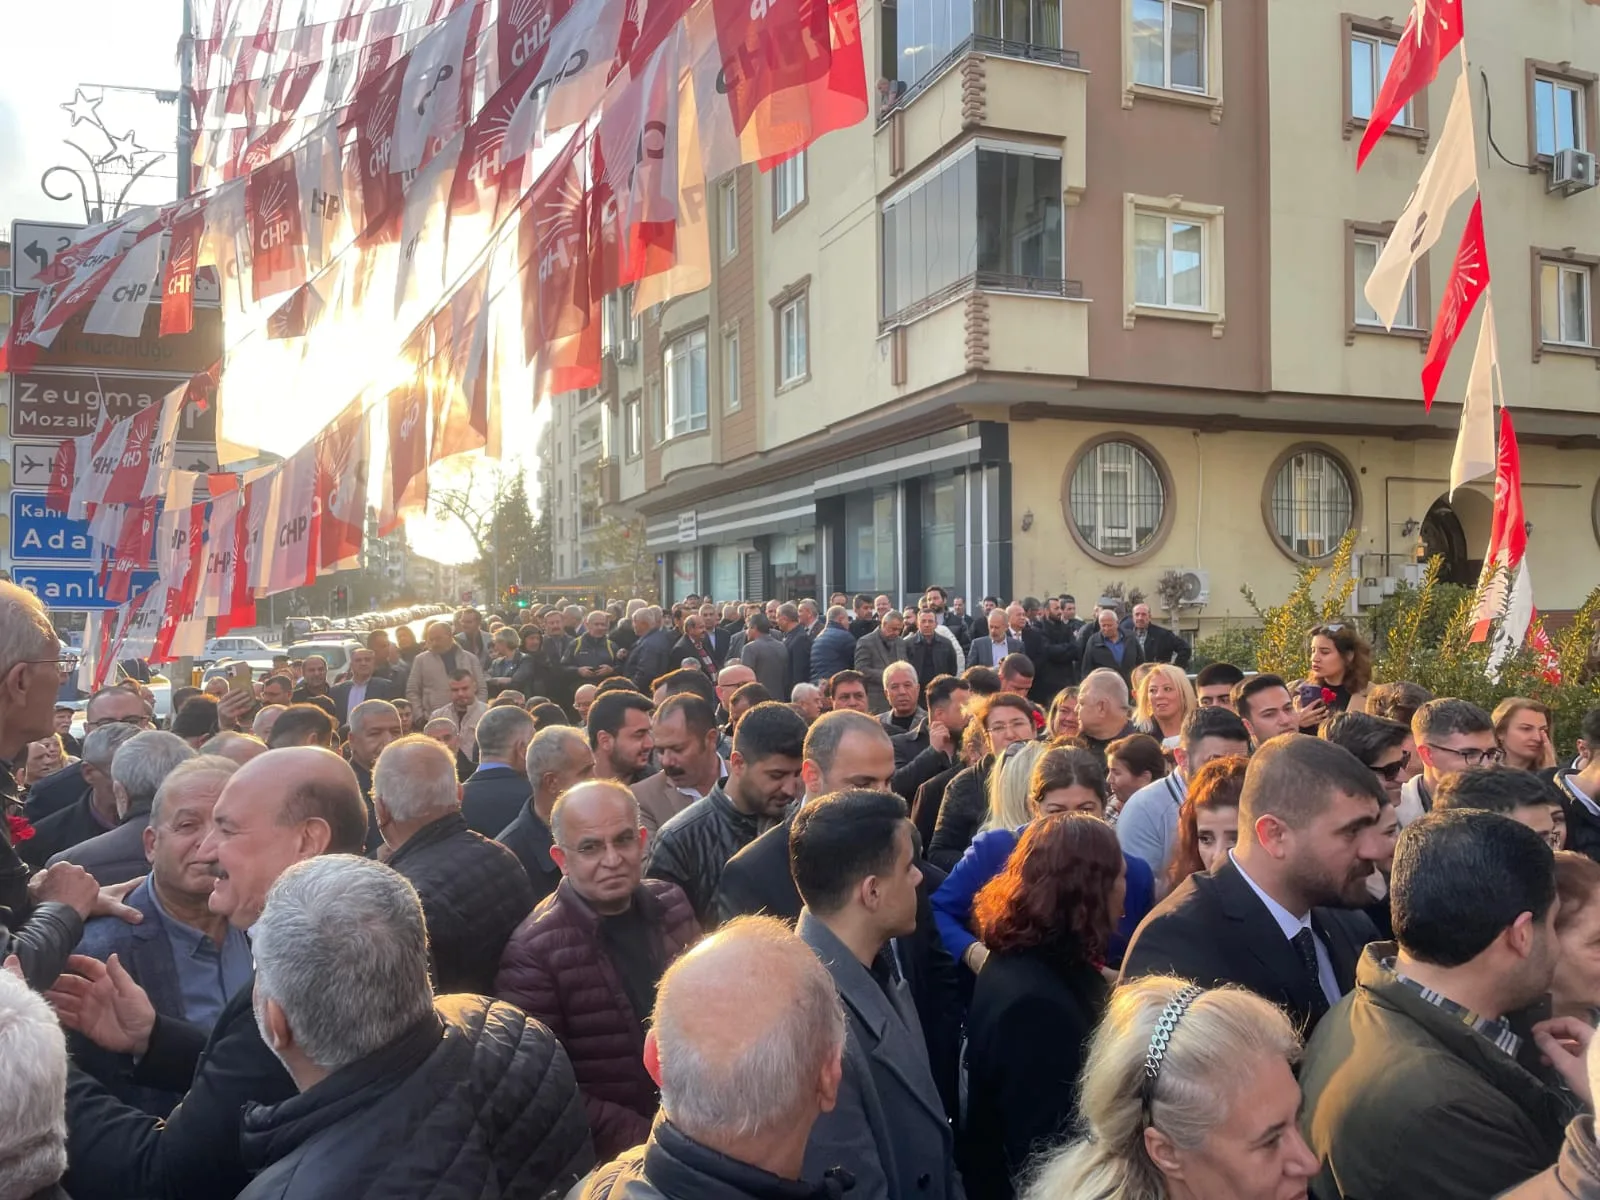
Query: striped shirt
(1496, 1030)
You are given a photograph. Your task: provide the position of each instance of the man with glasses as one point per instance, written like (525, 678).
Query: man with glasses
(108, 706)
(604, 925)
(1379, 744)
(1451, 735)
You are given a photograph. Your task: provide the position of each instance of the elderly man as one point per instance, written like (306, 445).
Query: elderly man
(766, 655)
(1103, 710)
(188, 959)
(592, 656)
(729, 680)
(364, 684)
(875, 652)
(286, 806)
(498, 790)
(806, 699)
(392, 1088)
(92, 814)
(141, 763)
(557, 758)
(106, 708)
(651, 655)
(33, 1124)
(684, 732)
(239, 747)
(832, 649)
(605, 922)
(443, 731)
(583, 700)
(264, 721)
(428, 684)
(1109, 649)
(466, 709)
(746, 1043)
(373, 725)
(903, 688)
(474, 892)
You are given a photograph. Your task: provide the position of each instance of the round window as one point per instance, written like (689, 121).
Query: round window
(1116, 499)
(1312, 503)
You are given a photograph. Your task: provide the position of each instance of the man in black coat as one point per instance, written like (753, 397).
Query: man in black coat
(396, 1093)
(108, 706)
(651, 656)
(1281, 915)
(1156, 643)
(929, 653)
(1109, 647)
(498, 790)
(92, 814)
(557, 757)
(279, 808)
(1057, 666)
(364, 684)
(474, 892)
(850, 750)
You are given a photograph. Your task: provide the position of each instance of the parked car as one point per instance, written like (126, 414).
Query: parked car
(251, 649)
(334, 651)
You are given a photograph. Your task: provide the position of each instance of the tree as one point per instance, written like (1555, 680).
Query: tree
(627, 565)
(487, 503)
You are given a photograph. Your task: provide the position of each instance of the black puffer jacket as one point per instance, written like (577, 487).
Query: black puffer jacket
(692, 848)
(673, 1166)
(474, 893)
(961, 814)
(40, 935)
(476, 1100)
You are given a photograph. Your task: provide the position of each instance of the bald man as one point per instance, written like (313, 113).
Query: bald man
(747, 1045)
(240, 747)
(280, 808)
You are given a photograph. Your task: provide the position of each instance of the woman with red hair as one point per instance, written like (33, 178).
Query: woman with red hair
(1046, 919)
(1208, 822)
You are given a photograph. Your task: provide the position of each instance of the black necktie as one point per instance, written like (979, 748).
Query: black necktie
(1305, 945)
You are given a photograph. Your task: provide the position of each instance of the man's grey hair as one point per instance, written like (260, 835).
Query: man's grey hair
(415, 777)
(261, 727)
(809, 606)
(648, 615)
(804, 691)
(339, 917)
(33, 1100)
(143, 762)
(312, 658)
(100, 746)
(25, 629)
(370, 708)
(202, 771)
(549, 750)
(500, 729)
(622, 790)
(788, 612)
(838, 615)
(440, 725)
(900, 667)
(788, 1023)
(1104, 684)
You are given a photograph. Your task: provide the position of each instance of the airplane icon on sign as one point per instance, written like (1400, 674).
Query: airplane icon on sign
(27, 464)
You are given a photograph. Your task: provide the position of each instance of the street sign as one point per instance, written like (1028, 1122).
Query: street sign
(39, 535)
(74, 588)
(181, 353)
(34, 246)
(30, 463)
(65, 403)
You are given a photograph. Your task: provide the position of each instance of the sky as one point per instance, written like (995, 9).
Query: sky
(123, 43)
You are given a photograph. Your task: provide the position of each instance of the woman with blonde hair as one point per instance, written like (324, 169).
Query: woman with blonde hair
(1523, 728)
(1008, 786)
(1163, 699)
(1187, 1093)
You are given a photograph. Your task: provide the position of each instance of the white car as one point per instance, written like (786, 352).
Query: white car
(248, 649)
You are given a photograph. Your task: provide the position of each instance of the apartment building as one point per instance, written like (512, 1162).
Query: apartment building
(1080, 304)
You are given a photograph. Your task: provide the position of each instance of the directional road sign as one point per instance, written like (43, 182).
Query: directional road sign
(74, 588)
(30, 463)
(34, 245)
(39, 535)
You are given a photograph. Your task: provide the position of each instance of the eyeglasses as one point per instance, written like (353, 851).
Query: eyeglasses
(1391, 771)
(1472, 756)
(64, 665)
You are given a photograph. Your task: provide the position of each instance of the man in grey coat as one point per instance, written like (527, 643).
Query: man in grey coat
(764, 654)
(875, 651)
(854, 863)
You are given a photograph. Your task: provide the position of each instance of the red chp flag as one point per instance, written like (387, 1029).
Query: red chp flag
(838, 99)
(1432, 31)
(1469, 278)
(127, 482)
(767, 47)
(553, 249)
(134, 546)
(277, 237)
(62, 469)
(1504, 589)
(177, 280)
(343, 455)
(408, 451)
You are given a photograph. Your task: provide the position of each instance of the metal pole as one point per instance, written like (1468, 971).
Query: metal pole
(185, 114)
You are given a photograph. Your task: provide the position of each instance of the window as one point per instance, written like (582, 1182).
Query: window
(657, 424)
(927, 33)
(1564, 304)
(1312, 504)
(730, 369)
(871, 548)
(988, 214)
(684, 365)
(1116, 499)
(1032, 22)
(561, 527)
(1168, 40)
(728, 191)
(939, 520)
(788, 186)
(794, 358)
(1370, 56)
(1557, 115)
(634, 421)
(1174, 261)
(1365, 250)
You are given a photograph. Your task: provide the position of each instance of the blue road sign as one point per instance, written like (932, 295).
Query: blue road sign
(38, 535)
(67, 587)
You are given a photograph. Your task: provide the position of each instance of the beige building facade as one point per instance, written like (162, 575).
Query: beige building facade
(1079, 304)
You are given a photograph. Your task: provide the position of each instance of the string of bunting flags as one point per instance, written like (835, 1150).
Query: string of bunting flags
(416, 211)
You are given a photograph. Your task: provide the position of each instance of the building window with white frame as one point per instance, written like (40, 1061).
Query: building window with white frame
(1366, 250)
(633, 430)
(1117, 499)
(1564, 305)
(1312, 504)
(1169, 262)
(1370, 56)
(728, 194)
(1169, 43)
(731, 367)
(1558, 115)
(794, 335)
(684, 365)
(788, 185)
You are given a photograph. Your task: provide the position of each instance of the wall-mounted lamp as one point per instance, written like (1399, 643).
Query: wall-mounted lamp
(1409, 527)
(1027, 520)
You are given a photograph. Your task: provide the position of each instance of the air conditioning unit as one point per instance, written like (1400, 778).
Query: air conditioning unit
(628, 351)
(1571, 171)
(1369, 594)
(1411, 574)
(1196, 587)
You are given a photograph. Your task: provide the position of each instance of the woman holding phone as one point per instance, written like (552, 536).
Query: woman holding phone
(1341, 672)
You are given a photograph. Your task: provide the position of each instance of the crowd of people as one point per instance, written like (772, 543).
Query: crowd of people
(795, 902)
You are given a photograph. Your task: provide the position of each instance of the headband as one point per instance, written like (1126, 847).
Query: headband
(1161, 1038)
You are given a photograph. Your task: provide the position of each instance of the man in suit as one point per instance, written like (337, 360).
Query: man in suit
(1281, 915)
(929, 650)
(853, 855)
(797, 643)
(684, 730)
(137, 770)
(364, 684)
(1156, 644)
(875, 651)
(766, 654)
(557, 758)
(845, 750)
(188, 959)
(498, 790)
(989, 650)
(281, 808)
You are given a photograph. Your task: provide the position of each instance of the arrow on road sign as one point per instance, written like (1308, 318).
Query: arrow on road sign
(38, 253)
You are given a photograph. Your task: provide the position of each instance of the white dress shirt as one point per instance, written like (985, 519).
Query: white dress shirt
(1291, 925)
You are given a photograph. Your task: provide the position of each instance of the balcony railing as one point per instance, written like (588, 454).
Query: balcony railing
(977, 44)
(985, 281)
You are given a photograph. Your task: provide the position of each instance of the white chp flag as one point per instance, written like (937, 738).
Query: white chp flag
(293, 497)
(1475, 453)
(420, 274)
(119, 308)
(1451, 170)
(164, 446)
(321, 181)
(430, 90)
(572, 81)
(172, 531)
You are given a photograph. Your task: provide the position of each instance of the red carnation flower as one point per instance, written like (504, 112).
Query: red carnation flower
(21, 828)
(1329, 695)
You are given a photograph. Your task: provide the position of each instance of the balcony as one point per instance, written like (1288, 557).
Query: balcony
(608, 476)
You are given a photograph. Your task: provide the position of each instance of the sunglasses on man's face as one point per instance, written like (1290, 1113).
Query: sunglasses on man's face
(1391, 771)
